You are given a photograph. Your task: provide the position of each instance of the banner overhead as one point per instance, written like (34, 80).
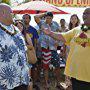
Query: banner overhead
(67, 3)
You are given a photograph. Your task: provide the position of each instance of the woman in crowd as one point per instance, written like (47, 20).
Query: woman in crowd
(20, 26)
(74, 21)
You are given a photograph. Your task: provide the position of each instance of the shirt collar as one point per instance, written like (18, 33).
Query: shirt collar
(9, 28)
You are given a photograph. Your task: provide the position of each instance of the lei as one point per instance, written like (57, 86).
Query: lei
(7, 31)
(85, 28)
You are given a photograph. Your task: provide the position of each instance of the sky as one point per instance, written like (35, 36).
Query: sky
(19, 1)
(71, 10)
(15, 2)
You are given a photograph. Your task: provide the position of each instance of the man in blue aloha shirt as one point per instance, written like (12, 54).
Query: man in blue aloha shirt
(14, 71)
(49, 46)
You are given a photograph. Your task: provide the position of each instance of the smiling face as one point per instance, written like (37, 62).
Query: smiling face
(86, 17)
(74, 19)
(20, 26)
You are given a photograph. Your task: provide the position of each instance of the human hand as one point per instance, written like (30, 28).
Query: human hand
(46, 30)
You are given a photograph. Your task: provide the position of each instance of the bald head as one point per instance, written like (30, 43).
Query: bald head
(86, 17)
(5, 14)
(4, 7)
(87, 9)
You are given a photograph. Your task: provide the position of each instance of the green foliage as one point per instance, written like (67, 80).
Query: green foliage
(27, 1)
(6, 1)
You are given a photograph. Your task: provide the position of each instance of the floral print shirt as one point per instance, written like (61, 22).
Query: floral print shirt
(45, 40)
(13, 66)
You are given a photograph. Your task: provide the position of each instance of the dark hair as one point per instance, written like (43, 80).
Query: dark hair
(19, 21)
(27, 15)
(49, 14)
(62, 19)
(70, 24)
(23, 31)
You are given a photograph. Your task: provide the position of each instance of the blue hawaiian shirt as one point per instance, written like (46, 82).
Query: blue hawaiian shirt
(14, 69)
(45, 40)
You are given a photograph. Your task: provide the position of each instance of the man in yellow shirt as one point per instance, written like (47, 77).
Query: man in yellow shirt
(78, 62)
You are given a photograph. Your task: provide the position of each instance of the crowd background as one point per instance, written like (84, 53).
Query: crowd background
(70, 10)
(37, 71)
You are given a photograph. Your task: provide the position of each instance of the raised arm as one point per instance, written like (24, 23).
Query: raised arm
(31, 54)
(38, 17)
(28, 39)
(56, 35)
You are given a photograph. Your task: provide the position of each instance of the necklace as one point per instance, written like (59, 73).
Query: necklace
(7, 31)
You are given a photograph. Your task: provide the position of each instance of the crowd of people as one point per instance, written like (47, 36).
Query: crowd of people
(56, 46)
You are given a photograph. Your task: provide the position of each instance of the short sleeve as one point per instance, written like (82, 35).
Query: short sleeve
(68, 36)
(36, 34)
(40, 23)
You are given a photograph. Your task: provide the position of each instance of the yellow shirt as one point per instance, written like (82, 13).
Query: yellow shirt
(78, 62)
